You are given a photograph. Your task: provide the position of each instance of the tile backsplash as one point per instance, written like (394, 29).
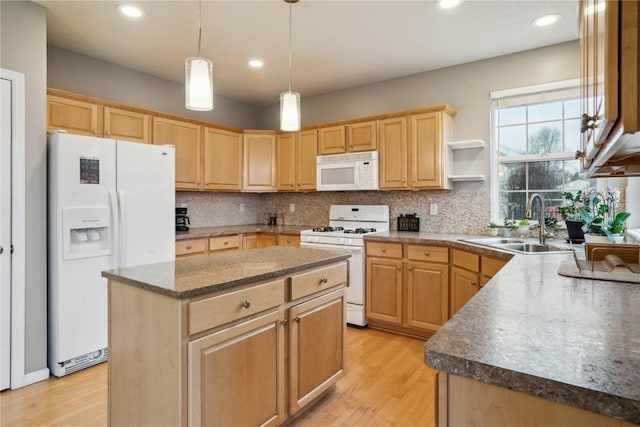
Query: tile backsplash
(458, 211)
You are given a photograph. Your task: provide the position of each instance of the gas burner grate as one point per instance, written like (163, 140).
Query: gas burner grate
(361, 231)
(327, 229)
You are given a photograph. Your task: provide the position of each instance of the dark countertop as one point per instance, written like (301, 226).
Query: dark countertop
(239, 229)
(569, 340)
(189, 277)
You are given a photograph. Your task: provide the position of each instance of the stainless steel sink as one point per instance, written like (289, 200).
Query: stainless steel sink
(516, 245)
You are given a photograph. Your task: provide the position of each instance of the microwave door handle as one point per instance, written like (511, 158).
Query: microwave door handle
(357, 172)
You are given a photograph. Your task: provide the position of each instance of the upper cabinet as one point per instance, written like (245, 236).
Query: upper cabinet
(351, 138)
(610, 71)
(185, 137)
(222, 152)
(296, 161)
(413, 150)
(259, 161)
(127, 125)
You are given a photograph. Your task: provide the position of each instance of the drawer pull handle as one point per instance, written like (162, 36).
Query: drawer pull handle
(426, 254)
(226, 243)
(284, 322)
(296, 319)
(245, 304)
(324, 280)
(189, 247)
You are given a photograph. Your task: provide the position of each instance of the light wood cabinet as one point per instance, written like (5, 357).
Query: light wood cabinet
(74, 116)
(185, 137)
(427, 295)
(384, 290)
(362, 136)
(610, 71)
(224, 243)
(127, 125)
(222, 155)
(259, 161)
(332, 140)
(464, 285)
(469, 273)
(413, 151)
(191, 247)
(296, 161)
(292, 240)
(316, 347)
(258, 240)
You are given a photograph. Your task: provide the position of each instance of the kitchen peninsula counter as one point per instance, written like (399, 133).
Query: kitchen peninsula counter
(567, 340)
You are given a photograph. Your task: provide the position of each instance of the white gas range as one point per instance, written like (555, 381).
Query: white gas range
(347, 226)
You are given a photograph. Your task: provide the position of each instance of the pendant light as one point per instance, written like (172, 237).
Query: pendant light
(199, 77)
(290, 101)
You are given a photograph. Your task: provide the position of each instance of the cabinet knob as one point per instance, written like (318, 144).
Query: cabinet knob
(189, 247)
(426, 253)
(414, 180)
(410, 268)
(226, 243)
(288, 241)
(324, 280)
(296, 319)
(403, 181)
(245, 304)
(108, 132)
(383, 250)
(284, 322)
(398, 267)
(474, 284)
(350, 145)
(95, 131)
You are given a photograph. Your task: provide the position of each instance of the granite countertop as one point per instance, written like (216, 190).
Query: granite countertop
(189, 277)
(568, 340)
(239, 229)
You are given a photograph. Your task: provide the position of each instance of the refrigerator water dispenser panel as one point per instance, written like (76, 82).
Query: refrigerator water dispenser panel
(86, 232)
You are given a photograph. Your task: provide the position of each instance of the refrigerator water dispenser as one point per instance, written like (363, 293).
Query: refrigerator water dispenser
(86, 232)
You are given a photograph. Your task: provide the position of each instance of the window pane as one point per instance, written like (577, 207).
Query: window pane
(512, 205)
(512, 176)
(512, 140)
(574, 179)
(572, 135)
(545, 138)
(545, 112)
(545, 175)
(572, 108)
(512, 116)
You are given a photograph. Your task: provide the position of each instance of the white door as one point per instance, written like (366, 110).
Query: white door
(5, 234)
(146, 191)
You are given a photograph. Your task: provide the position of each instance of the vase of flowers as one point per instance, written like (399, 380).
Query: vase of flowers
(572, 219)
(509, 226)
(600, 216)
(493, 229)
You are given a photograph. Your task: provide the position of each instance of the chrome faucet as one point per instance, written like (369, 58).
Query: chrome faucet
(542, 233)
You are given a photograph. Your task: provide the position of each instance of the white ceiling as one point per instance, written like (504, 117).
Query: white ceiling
(336, 44)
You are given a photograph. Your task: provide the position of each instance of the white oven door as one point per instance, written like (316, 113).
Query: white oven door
(355, 289)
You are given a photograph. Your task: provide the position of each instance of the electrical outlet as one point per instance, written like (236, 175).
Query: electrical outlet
(292, 207)
(433, 209)
(241, 207)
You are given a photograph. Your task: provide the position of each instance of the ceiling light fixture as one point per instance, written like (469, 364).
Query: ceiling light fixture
(199, 77)
(130, 11)
(448, 4)
(256, 63)
(290, 101)
(544, 20)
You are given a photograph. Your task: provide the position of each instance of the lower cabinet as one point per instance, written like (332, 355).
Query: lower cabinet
(260, 240)
(289, 240)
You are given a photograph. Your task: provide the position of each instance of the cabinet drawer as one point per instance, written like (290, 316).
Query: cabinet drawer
(490, 266)
(191, 247)
(317, 280)
(289, 240)
(428, 253)
(466, 260)
(218, 310)
(388, 250)
(224, 242)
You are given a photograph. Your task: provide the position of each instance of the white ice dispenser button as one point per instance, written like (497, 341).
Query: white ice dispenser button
(86, 232)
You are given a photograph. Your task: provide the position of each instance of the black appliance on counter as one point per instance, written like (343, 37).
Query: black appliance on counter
(409, 222)
(182, 220)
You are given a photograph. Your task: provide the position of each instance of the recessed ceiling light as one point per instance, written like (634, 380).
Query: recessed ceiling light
(130, 11)
(544, 20)
(256, 63)
(448, 4)
(589, 10)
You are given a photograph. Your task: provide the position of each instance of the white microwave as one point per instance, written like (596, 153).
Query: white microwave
(345, 172)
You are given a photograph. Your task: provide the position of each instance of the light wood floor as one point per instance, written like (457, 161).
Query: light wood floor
(386, 384)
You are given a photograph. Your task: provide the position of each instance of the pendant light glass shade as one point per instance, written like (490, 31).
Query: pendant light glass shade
(290, 111)
(199, 84)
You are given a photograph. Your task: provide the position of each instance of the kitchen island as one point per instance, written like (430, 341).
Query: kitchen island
(238, 338)
(536, 348)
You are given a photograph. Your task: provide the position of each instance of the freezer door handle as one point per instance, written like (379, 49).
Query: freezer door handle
(115, 219)
(123, 229)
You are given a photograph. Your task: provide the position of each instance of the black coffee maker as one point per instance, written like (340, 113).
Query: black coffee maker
(182, 220)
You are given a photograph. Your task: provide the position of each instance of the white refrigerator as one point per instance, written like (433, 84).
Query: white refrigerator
(111, 205)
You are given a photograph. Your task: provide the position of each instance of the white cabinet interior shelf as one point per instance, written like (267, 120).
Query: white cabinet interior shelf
(466, 177)
(470, 143)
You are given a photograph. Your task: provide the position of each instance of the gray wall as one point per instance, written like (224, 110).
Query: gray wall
(82, 74)
(23, 34)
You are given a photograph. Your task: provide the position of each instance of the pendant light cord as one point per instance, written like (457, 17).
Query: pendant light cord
(199, 28)
(289, 47)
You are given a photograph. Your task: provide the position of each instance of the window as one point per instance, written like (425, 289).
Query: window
(536, 132)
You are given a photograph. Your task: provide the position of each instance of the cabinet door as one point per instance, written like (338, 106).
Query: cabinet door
(76, 117)
(127, 125)
(331, 140)
(393, 153)
(186, 139)
(259, 162)
(222, 152)
(426, 151)
(249, 241)
(384, 290)
(464, 285)
(362, 136)
(316, 347)
(427, 295)
(266, 240)
(289, 240)
(236, 376)
(306, 152)
(286, 162)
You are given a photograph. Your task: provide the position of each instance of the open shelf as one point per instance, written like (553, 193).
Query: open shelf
(470, 143)
(466, 177)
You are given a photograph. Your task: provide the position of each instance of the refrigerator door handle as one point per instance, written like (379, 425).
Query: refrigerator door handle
(115, 218)
(123, 229)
